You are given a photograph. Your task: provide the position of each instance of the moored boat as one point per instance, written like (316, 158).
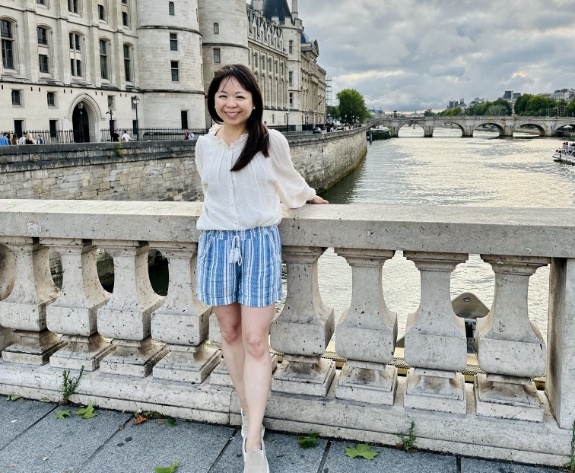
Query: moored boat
(565, 154)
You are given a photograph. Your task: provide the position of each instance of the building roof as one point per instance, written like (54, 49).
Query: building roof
(276, 8)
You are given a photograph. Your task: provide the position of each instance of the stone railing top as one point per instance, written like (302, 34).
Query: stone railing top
(476, 230)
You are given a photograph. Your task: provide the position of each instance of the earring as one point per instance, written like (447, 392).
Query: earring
(253, 108)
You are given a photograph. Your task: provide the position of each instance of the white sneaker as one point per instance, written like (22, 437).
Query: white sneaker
(244, 440)
(244, 424)
(256, 461)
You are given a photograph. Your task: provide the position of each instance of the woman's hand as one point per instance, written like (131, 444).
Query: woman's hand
(317, 200)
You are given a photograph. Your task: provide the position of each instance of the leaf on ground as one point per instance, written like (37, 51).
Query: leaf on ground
(140, 419)
(308, 441)
(171, 422)
(13, 397)
(361, 450)
(86, 412)
(62, 414)
(166, 469)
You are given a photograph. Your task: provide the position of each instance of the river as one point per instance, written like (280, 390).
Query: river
(483, 171)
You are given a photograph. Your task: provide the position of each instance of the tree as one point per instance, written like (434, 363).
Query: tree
(351, 104)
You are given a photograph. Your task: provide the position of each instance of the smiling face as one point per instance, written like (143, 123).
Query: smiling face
(233, 104)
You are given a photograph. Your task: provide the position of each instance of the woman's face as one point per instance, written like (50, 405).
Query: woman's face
(233, 103)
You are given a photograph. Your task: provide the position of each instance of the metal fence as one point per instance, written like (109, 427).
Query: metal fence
(151, 134)
(42, 136)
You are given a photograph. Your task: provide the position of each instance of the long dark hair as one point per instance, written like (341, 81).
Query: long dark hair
(258, 139)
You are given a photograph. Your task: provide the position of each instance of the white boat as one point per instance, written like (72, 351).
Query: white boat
(565, 154)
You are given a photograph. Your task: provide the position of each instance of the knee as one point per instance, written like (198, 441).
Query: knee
(231, 333)
(256, 346)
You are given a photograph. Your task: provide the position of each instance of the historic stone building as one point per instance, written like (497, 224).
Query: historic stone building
(87, 65)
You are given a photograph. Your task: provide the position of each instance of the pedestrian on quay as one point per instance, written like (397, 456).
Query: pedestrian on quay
(13, 140)
(4, 141)
(238, 272)
(126, 137)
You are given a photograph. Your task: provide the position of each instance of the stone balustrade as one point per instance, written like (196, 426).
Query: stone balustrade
(142, 350)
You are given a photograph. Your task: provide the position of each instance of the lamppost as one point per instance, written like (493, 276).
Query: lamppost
(111, 113)
(135, 102)
(81, 110)
(287, 122)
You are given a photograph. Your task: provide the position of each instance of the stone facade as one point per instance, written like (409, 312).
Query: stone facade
(159, 170)
(58, 54)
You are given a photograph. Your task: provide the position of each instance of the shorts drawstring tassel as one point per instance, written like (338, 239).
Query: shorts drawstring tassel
(235, 253)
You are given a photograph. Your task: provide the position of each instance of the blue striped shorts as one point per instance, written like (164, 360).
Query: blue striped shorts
(239, 266)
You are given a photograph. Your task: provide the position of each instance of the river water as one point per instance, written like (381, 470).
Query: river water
(483, 171)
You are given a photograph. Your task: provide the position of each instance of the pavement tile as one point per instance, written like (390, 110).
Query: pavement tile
(17, 416)
(283, 453)
(389, 460)
(141, 448)
(59, 445)
(474, 465)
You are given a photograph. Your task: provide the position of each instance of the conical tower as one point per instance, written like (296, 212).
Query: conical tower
(170, 63)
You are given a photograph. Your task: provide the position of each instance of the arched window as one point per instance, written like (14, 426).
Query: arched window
(171, 8)
(216, 28)
(8, 44)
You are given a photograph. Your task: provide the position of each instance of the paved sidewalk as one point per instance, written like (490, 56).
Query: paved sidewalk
(34, 440)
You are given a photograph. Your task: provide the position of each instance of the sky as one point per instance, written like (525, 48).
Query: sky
(414, 55)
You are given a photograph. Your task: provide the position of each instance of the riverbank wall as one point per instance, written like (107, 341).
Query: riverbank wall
(153, 170)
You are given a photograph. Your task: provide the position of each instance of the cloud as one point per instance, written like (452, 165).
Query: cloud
(408, 54)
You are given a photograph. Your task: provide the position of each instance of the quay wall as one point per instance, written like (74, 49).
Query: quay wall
(153, 170)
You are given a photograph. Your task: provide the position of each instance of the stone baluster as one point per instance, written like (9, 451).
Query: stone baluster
(74, 313)
(560, 375)
(303, 329)
(366, 332)
(435, 340)
(126, 317)
(182, 320)
(511, 349)
(7, 276)
(24, 310)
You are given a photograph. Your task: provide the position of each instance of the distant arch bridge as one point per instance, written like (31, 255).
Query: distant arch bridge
(545, 126)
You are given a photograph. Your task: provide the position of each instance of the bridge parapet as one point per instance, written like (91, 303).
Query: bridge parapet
(140, 349)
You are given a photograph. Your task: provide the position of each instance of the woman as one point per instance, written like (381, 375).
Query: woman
(245, 170)
(29, 140)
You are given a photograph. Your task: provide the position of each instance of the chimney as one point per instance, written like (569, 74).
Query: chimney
(294, 8)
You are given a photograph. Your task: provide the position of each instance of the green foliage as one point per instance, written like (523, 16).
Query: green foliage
(13, 397)
(407, 442)
(69, 385)
(171, 422)
(167, 469)
(62, 414)
(86, 412)
(308, 441)
(452, 112)
(351, 104)
(362, 450)
(428, 113)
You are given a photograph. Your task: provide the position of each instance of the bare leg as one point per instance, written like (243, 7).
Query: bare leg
(230, 322)
(257, 370)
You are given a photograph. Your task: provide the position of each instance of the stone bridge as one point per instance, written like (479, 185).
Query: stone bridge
(140, 350)
(546, 126)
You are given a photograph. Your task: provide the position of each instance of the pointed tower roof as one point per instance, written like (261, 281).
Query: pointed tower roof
(277, 8)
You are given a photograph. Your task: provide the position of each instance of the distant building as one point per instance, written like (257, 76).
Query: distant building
(508, 95)
(476, 101)
(563, 94)
(90, 66)
(456, 103)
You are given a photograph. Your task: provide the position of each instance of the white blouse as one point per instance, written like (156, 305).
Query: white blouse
(250, 197)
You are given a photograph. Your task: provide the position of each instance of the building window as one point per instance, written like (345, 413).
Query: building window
(184, 118)
(290, 46)
(43, 63)
(125, 21)
(74, 6)
(7, 44)
(41, 2)
(255, 59)
(127, 63)
(42, 35)
(291, 99)
(173, 41)
(216, 28)
(51, 99)
(101, 12)
(104, 73)
(171, 8)
(217, 56)
(124, 2)
(111, 102)
(76, 67)
(175, 71)
(290, 80)
(16, 97)
(75, 41)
